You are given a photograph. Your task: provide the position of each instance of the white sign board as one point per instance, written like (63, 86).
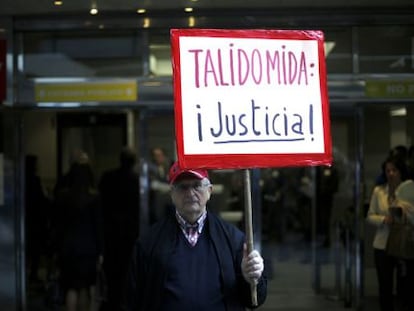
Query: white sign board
(243, 93)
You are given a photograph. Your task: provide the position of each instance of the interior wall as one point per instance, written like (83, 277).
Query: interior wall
(398, 131)
(40, 139)
(377, 143)
(410, 124)
(161, 131)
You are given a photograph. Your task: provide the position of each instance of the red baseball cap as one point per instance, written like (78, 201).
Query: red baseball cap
(176, 171)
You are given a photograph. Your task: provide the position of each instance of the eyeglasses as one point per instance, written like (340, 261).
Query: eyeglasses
(197, 186)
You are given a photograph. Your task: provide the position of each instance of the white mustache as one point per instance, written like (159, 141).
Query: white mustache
(190, 201)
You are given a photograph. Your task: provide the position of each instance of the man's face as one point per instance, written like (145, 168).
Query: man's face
(158, 156)
(190, 196)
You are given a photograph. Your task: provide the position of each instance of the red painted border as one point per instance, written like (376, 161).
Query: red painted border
(250, 160)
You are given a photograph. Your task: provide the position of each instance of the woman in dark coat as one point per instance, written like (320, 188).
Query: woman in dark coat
(80, 235)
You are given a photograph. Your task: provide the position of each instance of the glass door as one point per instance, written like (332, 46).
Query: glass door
(100, 135)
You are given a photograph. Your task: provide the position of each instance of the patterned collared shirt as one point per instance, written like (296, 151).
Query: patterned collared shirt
(191, 232)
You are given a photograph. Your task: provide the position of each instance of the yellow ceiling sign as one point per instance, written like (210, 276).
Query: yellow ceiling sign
(390, 88)
(87, 91)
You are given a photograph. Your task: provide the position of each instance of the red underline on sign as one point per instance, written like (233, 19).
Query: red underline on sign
(256, 141)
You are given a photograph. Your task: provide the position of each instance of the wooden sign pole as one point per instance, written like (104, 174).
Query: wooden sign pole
(249, 225)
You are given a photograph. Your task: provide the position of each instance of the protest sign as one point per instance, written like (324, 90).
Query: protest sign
(250, 98)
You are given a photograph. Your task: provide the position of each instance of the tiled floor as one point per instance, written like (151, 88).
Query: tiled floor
(292, 277)
(290, 289)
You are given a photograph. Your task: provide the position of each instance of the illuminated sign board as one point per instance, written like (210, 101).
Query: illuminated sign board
(87, 91)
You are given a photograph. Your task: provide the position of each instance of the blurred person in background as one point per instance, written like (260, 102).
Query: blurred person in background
(120, 193)
(37, 218)
(159, 188)
(79, 236)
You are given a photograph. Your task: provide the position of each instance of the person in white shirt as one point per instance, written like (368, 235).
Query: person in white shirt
(393, 193)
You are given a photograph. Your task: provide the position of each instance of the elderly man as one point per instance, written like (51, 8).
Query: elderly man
(193, 260)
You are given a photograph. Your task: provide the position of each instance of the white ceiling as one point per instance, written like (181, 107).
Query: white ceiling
(28, 7)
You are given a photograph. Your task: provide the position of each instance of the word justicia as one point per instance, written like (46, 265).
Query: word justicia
(237, 67)
(257, 123)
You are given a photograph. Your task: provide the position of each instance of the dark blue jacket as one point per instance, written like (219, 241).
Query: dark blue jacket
(152, 253)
